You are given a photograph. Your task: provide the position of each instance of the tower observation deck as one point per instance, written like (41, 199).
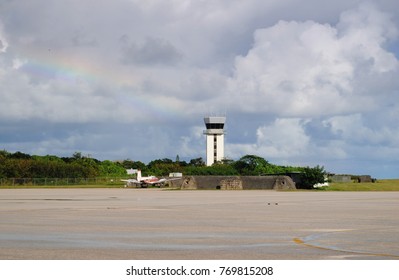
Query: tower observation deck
(214, 139)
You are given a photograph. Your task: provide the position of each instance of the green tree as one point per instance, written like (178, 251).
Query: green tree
(130, 164)
(197, 162)
(220, 168)
(251, 165)
(77, 155)
(4, 154)
(311, 176)
(47, 158)
(163, 167)
(19, 155)
(108, 168)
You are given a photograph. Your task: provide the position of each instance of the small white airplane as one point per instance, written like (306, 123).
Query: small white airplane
(144, 181)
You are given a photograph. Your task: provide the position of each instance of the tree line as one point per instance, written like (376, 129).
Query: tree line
(21, 165)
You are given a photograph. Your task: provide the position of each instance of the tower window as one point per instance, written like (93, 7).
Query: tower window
(214, 125)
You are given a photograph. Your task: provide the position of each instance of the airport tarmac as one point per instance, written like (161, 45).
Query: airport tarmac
(160, 224)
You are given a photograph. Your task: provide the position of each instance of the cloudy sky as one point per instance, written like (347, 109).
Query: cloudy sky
(301, 82)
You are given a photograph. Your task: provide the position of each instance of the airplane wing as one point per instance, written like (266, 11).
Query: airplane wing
(160, 181)
(174, 178)
(130, 182)
(169, 179)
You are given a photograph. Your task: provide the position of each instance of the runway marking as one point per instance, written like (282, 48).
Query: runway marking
(121, 208)
(300, 241)
(41, 199)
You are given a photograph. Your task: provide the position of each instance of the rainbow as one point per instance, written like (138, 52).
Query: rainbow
(75, 70)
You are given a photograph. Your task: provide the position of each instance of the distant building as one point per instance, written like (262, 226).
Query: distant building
(338, 178)
(131, 171)
(214, 139)
(176, 175)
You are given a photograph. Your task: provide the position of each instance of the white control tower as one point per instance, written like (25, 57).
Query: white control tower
(214, 139)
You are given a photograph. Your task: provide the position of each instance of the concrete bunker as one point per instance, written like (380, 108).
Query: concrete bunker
(236, 183)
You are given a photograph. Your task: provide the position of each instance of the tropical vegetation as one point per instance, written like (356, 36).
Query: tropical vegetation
(21, 165)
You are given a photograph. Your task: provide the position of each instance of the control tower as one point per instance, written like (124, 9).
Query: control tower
(214, 139)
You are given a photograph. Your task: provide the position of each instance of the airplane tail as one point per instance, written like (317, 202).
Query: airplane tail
(139, 175)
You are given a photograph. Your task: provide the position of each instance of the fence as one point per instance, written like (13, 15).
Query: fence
(59, 181)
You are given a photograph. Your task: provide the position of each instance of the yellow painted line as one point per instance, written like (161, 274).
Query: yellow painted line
(301, 242)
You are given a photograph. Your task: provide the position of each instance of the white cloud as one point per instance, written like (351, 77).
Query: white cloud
(3, 41)
(355, 131)
(312, 69)
(190, 144)
(330, 88)
(286, 141)
(284, 138)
